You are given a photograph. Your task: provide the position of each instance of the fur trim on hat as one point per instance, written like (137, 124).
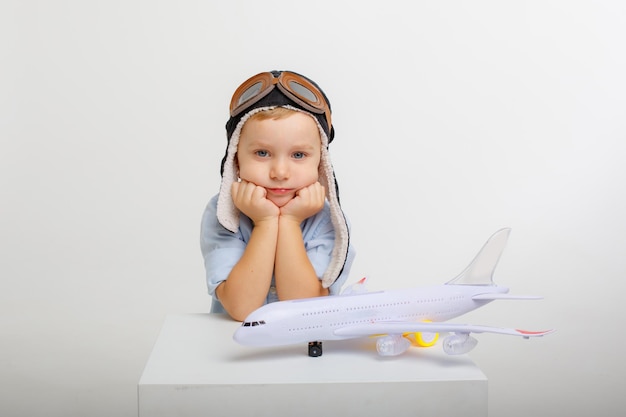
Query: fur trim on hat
(228, 214)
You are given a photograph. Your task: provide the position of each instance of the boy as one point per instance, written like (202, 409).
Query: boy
(276, 230)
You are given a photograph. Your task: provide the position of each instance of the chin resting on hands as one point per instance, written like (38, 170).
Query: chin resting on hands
(307, 202)
(251, 200)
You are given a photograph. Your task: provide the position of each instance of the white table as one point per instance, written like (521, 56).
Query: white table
(196, 369)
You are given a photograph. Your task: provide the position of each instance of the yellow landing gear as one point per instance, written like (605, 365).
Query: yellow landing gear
(422, 339)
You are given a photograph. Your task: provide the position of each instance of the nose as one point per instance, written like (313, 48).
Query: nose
(279, 169)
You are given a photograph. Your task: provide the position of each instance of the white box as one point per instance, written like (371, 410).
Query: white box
(196, 369)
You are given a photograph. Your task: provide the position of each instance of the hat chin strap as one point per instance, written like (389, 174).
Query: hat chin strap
(228, 214)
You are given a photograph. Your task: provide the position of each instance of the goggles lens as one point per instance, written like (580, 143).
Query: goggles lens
(251, 92)
(294, 86)
(302, 91)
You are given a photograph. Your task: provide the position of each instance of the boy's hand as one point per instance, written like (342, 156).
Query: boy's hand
(251, 200)
(307, 202)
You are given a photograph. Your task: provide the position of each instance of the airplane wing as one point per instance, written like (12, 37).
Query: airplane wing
(380, 328)
(495, 296)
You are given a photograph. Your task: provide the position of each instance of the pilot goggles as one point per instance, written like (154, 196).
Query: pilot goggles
(292, 85)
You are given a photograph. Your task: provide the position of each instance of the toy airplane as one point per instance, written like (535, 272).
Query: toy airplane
(398, 318)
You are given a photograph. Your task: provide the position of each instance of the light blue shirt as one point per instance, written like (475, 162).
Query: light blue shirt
(222, 249)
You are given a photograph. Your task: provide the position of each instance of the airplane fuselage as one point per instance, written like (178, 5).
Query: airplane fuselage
(316, 319)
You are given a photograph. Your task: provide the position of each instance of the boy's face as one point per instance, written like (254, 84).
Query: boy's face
(280, 155)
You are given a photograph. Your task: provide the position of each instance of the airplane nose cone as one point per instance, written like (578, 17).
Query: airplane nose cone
(239, 336)
(251, 336)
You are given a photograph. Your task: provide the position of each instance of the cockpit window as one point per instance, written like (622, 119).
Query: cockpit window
(253, 323)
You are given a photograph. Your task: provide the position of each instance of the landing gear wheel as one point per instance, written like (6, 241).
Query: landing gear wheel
(315, 349)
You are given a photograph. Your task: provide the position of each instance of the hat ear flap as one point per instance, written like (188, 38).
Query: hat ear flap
(342, 237)
(227, 213)
(340, 224)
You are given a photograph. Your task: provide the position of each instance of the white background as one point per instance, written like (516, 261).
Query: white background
(453, 119)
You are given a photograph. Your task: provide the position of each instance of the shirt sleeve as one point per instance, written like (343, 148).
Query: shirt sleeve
(319, 240)
(336, 286)
(221, 249)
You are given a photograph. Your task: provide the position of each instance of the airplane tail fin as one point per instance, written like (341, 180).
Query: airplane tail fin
(480, 270)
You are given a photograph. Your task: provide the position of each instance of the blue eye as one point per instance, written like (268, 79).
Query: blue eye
(262, 153)
(299, 155)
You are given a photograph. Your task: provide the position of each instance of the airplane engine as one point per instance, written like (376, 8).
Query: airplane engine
(459, 343)
(392, 345)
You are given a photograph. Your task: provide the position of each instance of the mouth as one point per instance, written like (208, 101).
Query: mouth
(280, 191)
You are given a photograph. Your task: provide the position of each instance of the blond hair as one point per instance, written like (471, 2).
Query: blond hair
(275, 113)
